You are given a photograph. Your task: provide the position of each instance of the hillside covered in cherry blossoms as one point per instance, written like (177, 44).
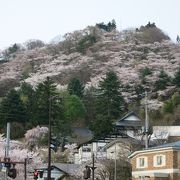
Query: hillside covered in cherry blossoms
(111, 70)
(137, 56)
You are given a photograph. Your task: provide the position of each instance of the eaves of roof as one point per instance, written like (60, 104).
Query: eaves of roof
(153, 150)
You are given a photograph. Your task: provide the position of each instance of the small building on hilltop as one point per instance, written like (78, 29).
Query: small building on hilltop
(157, 163)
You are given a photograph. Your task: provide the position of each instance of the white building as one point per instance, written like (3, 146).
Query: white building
(128, 126)
(86, 150)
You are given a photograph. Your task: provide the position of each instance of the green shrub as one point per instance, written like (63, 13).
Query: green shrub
(107, 27)
(85, 42)
(145, 72)
(168, 107)
(176, 99)
(176, 80)
(171, 104)
(17, 130)
(163, 81)
(151, 34)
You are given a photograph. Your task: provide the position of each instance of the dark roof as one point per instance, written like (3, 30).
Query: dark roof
(81, 135)
(66, 168)
(70, 169)
(124, 121)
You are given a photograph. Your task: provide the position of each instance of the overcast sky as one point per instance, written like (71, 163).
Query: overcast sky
(44, 19)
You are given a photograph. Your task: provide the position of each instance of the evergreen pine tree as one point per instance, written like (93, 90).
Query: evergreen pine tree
(113, 23)
(110, 101)
(28, 96)
(46, 93)
(74, 109)
(163, 81)
(12, 109)
(176, 80)
(102, 126)
(75, 87)
(110, 104)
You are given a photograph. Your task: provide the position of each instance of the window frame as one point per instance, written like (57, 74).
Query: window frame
(138, 162)
(163, 160)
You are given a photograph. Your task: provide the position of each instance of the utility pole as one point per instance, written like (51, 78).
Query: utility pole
(49, 135)
(115, 164)
(7, 145)
(146, 122)
(93, 167)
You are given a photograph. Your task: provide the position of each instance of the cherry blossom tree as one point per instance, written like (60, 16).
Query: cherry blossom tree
(34, 136)
(18, 153)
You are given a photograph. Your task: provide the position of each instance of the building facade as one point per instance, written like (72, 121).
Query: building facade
(130, 126)
(157, 163)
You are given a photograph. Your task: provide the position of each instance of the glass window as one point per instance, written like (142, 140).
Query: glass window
(141, 162)
(86, 149)
(159, 160)
(141, 178)
(101, 149)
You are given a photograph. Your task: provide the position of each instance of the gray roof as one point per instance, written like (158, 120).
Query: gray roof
(81, 135)
(173, 145)
(163, 146)
(127, 121)
(70, 169)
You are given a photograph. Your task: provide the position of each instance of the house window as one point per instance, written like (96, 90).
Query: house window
(101, 149)
(86, 149)
(141, 178)
(159, 160)
(141, 162)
